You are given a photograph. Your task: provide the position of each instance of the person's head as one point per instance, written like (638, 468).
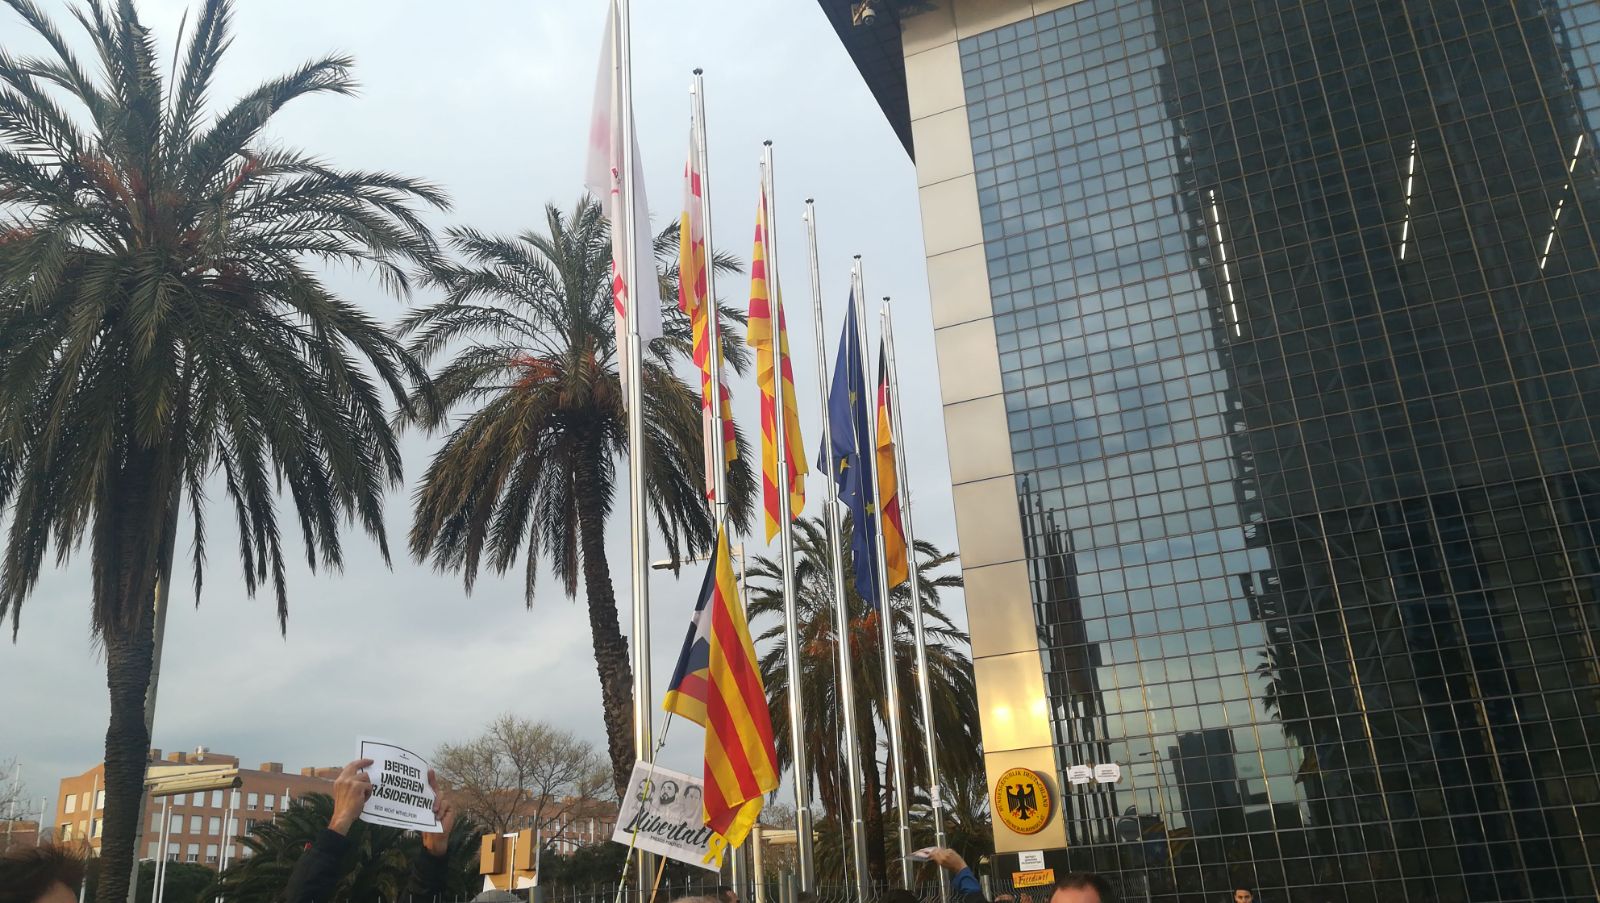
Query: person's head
(1240, 895)
(726, 894)
(1081, 887)
(44, 874)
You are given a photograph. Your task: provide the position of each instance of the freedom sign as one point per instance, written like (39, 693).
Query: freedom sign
(664, 813)
(401, 796)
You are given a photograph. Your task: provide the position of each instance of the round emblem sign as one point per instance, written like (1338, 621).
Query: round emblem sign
(1022, 801)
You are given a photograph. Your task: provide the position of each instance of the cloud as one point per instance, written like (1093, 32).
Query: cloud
(491, 100)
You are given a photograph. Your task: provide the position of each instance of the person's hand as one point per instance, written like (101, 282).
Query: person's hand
(947, 859)
(350, 791)
(439, 844)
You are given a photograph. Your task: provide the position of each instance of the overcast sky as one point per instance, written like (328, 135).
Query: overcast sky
(490, 98)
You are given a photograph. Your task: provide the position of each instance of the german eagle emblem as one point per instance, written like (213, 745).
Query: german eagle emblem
(1022, 801)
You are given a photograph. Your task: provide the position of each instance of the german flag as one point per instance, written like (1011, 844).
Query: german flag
(894, 537)
(693, 301)
(768, 334)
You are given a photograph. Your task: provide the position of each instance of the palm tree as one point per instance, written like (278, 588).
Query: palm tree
(377, 865)
(955, 705)
(160, 324)
(531, 472)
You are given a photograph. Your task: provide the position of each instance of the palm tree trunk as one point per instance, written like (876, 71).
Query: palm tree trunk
(129, 655)
(610, 649)
(877, 861)
(133, 552)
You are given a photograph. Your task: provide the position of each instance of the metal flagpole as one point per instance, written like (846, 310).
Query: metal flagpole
(717, 452)
(930, 739)
(891, 681)
(639, 525)
(791, 623)
(841, 602)
(158, 888)
(719, 466)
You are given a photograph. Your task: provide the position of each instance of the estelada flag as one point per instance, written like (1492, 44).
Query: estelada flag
(693, 300)
(604, 178)
(768, 334)
(717, 684)
(894, 537)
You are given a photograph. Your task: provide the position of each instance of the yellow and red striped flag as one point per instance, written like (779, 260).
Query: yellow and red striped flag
(894, 537)
(741, 760)
(693, 300)
(768, 334)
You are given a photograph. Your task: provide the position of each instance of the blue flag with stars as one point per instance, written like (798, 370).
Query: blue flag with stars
(851, 458)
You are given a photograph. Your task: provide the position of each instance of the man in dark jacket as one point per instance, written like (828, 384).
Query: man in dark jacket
(1078, 887)
(317, 873)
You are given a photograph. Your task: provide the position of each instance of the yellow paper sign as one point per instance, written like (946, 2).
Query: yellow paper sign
(1033, 879)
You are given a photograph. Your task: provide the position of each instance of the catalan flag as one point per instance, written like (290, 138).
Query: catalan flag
(768, 334)
(718, 684)
(894, 537)
(694, 301)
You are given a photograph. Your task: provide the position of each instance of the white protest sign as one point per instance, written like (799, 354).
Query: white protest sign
(1108, 772)
(1080, 774)
(667, 811)
(401, 797)
(1030, 861)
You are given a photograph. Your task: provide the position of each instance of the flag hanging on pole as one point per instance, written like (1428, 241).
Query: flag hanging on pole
(603, 177)
(851, 458)
(894, 539)
(691, 679)
(768, 334)
(694, 301)
(717, 684)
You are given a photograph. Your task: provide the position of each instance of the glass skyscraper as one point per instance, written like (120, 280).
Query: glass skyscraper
(1294, 309)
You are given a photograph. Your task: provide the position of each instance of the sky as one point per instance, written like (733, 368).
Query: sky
(491, 99)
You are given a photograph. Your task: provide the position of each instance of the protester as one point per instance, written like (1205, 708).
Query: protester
(726, 894)
(1078, 887)
(42, 874)
(1240, 895)
(317, 873)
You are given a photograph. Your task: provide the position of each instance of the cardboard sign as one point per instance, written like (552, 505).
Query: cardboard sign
(1108, 773)
(401, 797)
(664, 813)
(1033, 879)
(1030, 860)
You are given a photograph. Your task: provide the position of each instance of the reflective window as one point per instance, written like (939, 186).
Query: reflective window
(1295, 306)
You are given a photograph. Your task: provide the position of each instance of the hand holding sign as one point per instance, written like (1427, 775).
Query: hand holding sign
(350, 792)
(399, 797)
(439, 844)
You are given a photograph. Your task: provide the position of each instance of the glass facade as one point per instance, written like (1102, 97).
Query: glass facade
(1298, 309)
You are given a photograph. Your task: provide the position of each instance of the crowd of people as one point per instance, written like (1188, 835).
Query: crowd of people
(50, 874)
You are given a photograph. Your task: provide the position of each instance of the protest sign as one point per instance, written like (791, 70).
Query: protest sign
(667, 811)
(401, 797)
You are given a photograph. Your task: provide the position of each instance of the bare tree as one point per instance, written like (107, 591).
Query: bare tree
(13, 806)
(524, 774)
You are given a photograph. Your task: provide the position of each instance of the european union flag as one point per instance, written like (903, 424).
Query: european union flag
(851, 458)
